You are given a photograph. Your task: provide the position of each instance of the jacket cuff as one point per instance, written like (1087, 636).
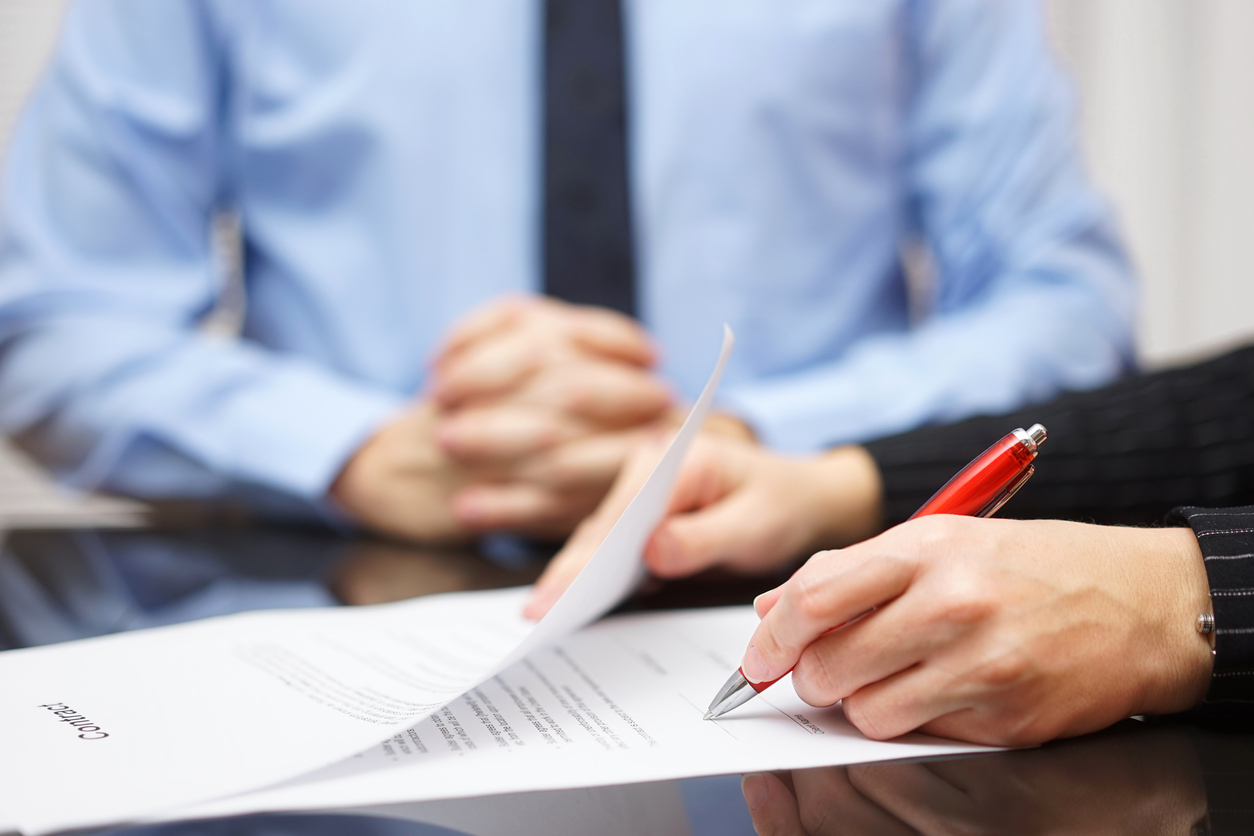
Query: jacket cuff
(1226, 538)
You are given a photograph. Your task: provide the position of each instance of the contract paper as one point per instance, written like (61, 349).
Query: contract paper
(120, 727)
(621, 701)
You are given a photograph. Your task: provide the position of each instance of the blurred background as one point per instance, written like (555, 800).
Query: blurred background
(1167, 99)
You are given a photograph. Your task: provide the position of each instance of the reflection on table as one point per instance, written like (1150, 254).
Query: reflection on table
(1136, 778)
(62, 585)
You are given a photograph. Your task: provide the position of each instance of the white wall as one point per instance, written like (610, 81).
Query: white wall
(1167, 90)
(27, 31)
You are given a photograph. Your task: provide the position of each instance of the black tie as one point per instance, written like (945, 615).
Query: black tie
(588, 256)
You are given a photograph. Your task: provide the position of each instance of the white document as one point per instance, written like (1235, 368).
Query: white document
(117, 728)
(622, 701)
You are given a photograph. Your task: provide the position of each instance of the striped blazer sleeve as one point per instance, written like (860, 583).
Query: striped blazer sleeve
(1226, 536)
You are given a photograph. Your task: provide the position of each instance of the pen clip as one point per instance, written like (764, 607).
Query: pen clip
(1003, 496)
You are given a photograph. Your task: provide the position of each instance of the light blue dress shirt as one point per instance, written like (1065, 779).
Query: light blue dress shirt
(383, 159)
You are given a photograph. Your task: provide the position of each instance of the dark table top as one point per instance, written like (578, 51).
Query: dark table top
(1155, 777)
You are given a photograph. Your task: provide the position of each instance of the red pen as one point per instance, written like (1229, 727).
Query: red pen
(978, 490)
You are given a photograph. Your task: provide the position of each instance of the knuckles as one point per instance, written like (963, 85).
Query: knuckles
(871, 716)
(964, 599)
(810, 596)
(816, 813)
(1002, 668)
(816, 678)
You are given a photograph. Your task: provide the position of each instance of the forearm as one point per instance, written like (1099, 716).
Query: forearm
(983, 358)
(144, 408)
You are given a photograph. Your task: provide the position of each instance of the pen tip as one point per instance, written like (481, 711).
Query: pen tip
(709, 715)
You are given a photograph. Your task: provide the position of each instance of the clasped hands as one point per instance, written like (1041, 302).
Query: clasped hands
(531, 408)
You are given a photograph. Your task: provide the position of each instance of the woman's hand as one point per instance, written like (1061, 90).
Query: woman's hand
(994, 631)
(734, 505)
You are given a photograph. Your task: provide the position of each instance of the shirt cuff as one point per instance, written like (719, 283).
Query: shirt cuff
(291, 436)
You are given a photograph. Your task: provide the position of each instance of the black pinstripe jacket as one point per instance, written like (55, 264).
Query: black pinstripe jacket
(1128, 454)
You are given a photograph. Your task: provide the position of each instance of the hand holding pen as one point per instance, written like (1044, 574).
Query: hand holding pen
(1003, 632)
(979, 490)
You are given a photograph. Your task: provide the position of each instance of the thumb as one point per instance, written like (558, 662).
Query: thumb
(568, 563)
(772, 807)
(766, 602)
(723, 532)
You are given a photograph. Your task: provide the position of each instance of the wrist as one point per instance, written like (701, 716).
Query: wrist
(1182, 670)
(849, 497)
(400, 483)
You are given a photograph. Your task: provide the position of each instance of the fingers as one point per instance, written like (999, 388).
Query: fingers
(771, 806)
(588, 536)
(598, 330)
(765, 602)
(922, 795)
(889, 640)
(488, 368)
(515, 507)
(831, 803)
(498, 346)
(566, 565)
(611, 335)
(610, 395)
(831, 589)
(687, 543)
(728, 532)
(906, 701)
(490, 319)
(588, 464)
(502, 434)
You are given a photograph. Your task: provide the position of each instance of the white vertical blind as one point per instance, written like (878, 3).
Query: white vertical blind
(1167, 90)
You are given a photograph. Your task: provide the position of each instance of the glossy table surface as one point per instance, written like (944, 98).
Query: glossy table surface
(1161, 777)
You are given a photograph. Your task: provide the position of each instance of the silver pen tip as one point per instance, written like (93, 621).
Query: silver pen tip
(709, 715)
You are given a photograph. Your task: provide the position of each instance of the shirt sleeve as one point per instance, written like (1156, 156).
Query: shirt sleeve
(106, 268)
(1032, 292)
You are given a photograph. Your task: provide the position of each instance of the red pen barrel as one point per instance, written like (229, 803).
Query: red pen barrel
(981, 487)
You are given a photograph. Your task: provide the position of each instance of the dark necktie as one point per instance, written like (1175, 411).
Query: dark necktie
(588, 257)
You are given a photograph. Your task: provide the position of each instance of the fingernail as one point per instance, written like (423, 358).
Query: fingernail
(755, 790)
(754, 669)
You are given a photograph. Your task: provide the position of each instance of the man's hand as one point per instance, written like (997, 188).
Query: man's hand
(733, 505)
(400, 483)
(540, 402)
(993, 631)
(534, 406)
